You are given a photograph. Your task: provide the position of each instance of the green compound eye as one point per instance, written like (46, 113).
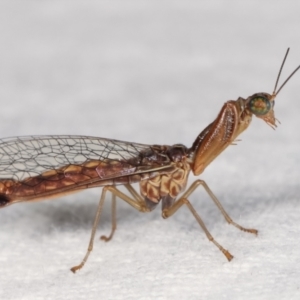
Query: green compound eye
(259, 106)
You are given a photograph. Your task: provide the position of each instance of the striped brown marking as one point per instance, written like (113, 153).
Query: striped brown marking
(165, 185)
(71, 176)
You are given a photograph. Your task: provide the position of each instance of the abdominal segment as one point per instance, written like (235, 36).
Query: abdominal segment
(65, 180)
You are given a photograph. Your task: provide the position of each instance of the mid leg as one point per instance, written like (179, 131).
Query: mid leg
(113, 220)
(198, 183)
(136, 197)
(168, 212)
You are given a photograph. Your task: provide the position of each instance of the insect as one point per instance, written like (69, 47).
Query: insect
(39, 167)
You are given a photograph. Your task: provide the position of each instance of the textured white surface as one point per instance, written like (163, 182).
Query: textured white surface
(154, 72)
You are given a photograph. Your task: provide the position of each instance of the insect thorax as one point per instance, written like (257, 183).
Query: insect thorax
(166, 186)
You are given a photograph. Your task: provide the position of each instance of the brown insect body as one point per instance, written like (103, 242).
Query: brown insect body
(33, 168)
(232, 120)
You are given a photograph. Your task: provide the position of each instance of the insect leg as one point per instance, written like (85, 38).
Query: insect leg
(113, 220)
(135, 195)
(200, 182)
(96, 220)
(168, 212)
(116, 193)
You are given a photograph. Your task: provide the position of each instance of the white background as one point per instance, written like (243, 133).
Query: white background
(154, 72)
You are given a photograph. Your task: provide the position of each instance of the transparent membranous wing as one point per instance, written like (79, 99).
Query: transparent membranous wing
(43, 165)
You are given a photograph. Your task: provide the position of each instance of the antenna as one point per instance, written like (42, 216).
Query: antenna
(278, 76)
(280, 88)
(287, 80)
